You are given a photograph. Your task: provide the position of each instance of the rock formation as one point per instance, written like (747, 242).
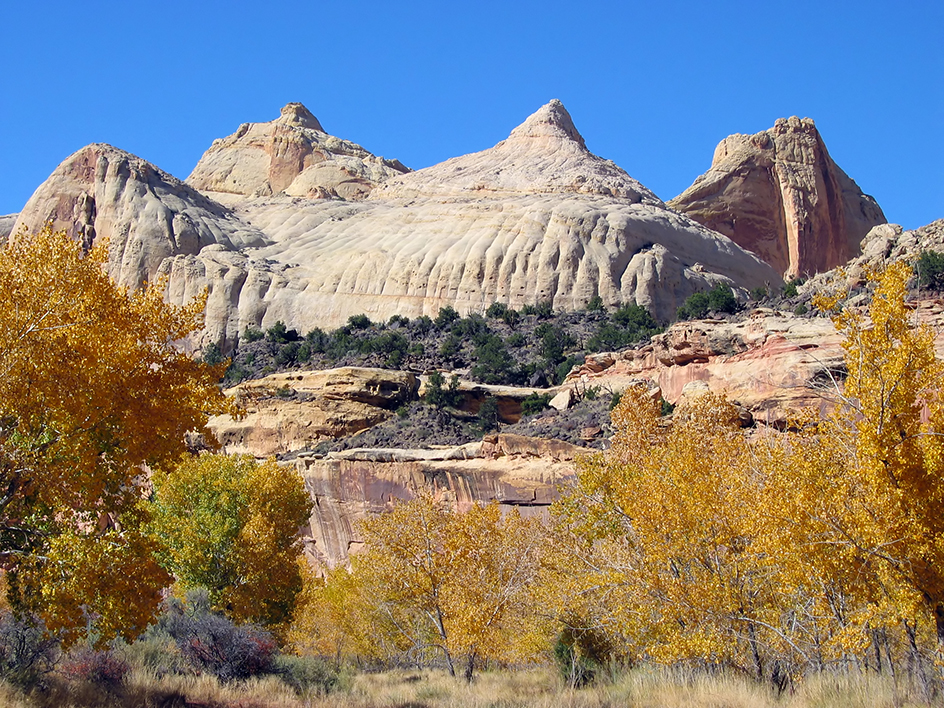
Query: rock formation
(146, 214)
(537, 217)
(779, 194)
(292, 154)
(295, 411)
(7, 222)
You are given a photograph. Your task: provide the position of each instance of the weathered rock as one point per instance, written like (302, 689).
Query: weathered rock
(297, 410)
(779, 194)
(146, 215)
(7, 222)
(513, 471)
(537, 217)
(291, 154)
(562, 399)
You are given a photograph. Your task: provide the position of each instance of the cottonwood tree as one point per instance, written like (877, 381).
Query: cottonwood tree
(92, 388)
(230, 524)
(457, 583)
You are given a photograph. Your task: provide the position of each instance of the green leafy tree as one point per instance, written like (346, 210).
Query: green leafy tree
(230, 525)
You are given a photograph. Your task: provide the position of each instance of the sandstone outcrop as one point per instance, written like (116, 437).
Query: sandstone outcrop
(537, 217)
(349, 488)
(7, 221)
(291, 154)
(295, 411)
(147, 215)
(779, 194)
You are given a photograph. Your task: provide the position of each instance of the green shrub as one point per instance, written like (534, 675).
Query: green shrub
(309, 675)
(516, 340)
(398, 320)
(287, 354)
(535, 403)
(496, 310)
(279, 334)
(544, 309)
(790, 288)
(451, 349)
(27, 653)
(356, 322)
(421, 325)
(252, 334)
(438, 395)
(800, 309)
(447, 315)
(614, 400)
(488, 418)
(695, 307)
(511, 317)
(667, 408)
(212, 354)
(595, 304)
(759, 293)
(493, 363)
(721, 299)
(930, 270)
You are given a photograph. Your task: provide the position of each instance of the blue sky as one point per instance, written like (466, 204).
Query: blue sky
(653, 86)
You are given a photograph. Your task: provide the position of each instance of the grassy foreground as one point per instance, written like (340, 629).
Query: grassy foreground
(539, 688)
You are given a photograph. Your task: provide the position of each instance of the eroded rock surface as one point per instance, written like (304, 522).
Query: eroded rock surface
(537, 217)
(779, 194)
(296, 410)
(291, 154)
(7, 221)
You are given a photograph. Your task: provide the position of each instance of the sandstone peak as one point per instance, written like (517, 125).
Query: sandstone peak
(295, 114)
(550, 121)
(293, 155)
(780, 194)
(544, 155)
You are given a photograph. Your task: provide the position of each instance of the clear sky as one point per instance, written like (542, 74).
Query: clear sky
(653, 85)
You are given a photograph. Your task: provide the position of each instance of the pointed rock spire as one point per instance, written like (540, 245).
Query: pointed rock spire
(550, 121)
(295, 114)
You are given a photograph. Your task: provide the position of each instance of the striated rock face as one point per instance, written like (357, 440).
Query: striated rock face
(348, 487)
(538, 217)
(297, 410)
(779, 194)
(292, 154)
(770, 363)
(7, 221)
(147, 215)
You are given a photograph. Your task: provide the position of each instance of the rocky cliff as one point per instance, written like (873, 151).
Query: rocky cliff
(537, 217)
(779, 194)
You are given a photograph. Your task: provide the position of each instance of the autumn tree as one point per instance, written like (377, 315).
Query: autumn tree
(92, 389)
(230, 524)
(457, 583)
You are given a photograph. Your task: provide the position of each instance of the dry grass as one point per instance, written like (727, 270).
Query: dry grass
(538, 688)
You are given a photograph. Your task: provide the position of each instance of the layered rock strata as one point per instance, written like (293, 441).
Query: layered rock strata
(779, 194)
(514, 471)
(292, 154)
(537, 217)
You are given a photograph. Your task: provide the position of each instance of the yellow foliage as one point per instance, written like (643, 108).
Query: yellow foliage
(92, 387)
(230, 525)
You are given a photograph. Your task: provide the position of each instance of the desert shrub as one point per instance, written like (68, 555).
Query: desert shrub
(104, 668)
(213, 643)
(451, 349)
(635, 318)
(394, 345)
(759, 293)
(800, 309)
(470, 327)
(416, 349)
(694, 308)
(488, 417)
(511, 317)
(527, 310)
(493, 363)
(421, 325)
(562, 369)
(287, 354)
(930, 270)
(27, 653)
(516, 340)
(447, 315)
(252, 334)
(790, 288)
(614, 400)
(595, 304)
(666, 408)
(721, 299)
(440, 396)
(544, 310)
(553, 342)
(591, 393)
(496, 310)
(356, 322)
(280, 334)
(234, 374)
(212, 354)
(398, 320)
(535, 403)
(308, 675)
